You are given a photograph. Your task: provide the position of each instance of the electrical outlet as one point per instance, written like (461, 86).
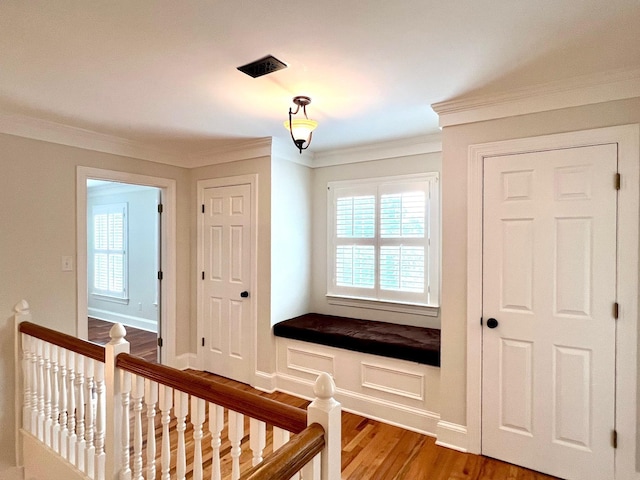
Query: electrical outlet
(67, 263)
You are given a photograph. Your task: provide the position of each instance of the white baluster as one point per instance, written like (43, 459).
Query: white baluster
(151, 398)
(165, 402)
(326, 411)
(71, 391)
(257, 439)
(311, 471)
(55, 398)
(80, 410)
(137, 394)
(197, 419)
(216, 424)
(25, 341)
(101, 421)
(280, 437)
(90, 417)
(34, 386)
(125, 395)
(64, 416)
(236, 432)
(41, 390)
(181, 408)
(48, 422)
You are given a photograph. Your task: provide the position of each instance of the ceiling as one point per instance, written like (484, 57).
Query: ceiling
(163, 73)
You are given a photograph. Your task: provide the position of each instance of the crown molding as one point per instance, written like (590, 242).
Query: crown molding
(573, 92)
(58, 133)
(231, 152)
(53, 132)
(379, 151)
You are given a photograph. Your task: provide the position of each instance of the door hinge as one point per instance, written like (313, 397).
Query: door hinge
(203, 275)
(160, 341)
(160, 275)
(617, 181)
(480, 321)
(614, 438)
(203, 341)
(616, 310)
(160, 208)
(203, 208)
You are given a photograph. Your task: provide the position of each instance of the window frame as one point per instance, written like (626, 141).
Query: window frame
(376, 298)
(106, 294)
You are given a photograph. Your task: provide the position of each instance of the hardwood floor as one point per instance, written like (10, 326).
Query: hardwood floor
(142, 343)
(370, 449)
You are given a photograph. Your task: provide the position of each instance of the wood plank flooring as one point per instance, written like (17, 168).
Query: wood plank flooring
(142, 343)
(370, 449)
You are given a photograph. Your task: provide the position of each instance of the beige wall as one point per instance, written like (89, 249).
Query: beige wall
(265, 356)
(38, 226)
(321, 177)
(456, 141)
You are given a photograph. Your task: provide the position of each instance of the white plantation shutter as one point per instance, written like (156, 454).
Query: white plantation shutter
(109, 252)
(380, 232)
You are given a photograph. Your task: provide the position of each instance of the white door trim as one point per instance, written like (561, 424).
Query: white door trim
(168, 250)
(628, 139)
(252, 180)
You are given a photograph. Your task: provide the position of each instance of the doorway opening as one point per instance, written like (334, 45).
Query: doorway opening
(127, 260)
(123, 261)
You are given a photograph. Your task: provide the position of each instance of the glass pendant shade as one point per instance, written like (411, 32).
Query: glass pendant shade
(301, 128)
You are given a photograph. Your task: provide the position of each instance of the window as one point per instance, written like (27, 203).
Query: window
(109, 250)
(384, 240)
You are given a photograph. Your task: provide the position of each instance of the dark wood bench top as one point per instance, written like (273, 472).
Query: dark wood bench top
(416, 344)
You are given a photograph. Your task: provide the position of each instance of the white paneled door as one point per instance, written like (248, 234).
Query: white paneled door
(227, 331)
(549, 288)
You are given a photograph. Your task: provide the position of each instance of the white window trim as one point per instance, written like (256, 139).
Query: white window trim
(429, 308)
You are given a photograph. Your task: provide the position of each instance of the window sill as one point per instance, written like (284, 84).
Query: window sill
(414, 309)
(108, 298)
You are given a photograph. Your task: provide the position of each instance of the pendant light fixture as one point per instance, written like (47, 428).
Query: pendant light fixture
(301, 129)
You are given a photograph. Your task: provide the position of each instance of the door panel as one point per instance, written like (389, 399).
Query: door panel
(227, 324)
(549, 264)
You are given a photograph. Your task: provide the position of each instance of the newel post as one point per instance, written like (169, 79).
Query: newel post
(113, 430)
(326, 411)
(23, 384)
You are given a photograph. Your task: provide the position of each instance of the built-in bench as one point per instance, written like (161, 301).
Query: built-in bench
(415, 344)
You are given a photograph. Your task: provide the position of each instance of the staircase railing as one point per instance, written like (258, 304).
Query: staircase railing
(100, 413)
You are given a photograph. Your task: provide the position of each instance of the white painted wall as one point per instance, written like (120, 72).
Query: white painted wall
(141, 309)
(430, 162)
(290, 239)
(38, 227)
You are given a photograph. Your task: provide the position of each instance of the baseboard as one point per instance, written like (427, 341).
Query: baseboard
(185, 361)
(416, 420)
(127, 320)
(452, 435)
(264, 381)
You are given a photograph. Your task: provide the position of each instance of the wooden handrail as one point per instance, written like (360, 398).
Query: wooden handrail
(261, 408)
(291, 457)
(77, 345)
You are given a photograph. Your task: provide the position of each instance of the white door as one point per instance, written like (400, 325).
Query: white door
(549, 282)
(227, 331)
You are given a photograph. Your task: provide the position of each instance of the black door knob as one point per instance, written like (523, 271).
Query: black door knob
(244, 294)
(492, 323)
